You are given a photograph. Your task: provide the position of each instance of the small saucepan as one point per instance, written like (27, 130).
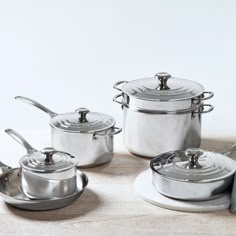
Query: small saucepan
(193, 174)
(47, 173)
(84, 134)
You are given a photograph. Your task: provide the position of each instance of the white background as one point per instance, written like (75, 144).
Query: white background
(67, 54)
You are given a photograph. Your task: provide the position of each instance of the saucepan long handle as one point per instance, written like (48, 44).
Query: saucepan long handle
(36, 104)
(230, 151)
(20, 140)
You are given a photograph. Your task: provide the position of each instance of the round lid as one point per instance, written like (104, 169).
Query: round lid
(193, 165)
(82, 121)
(163, 87)
(47, 161)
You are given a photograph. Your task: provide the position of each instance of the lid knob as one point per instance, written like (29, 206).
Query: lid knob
(82, 111)
(163, 77)
(193, 154)
(49, 152)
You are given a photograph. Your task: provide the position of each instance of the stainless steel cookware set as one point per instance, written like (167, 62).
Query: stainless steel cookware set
(161, 114)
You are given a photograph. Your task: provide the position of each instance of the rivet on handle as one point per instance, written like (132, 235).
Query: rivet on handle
(82, 114)
(163, 77)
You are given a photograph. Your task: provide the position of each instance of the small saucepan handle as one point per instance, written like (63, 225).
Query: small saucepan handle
(83, 177)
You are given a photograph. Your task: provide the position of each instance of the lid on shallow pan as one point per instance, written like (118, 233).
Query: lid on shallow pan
(82, 121)
(193, 165)
(163, 87)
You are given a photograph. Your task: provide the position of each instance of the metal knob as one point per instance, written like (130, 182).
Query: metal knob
(49, 152)
(163, 78)
(82, 114)
(193, 154)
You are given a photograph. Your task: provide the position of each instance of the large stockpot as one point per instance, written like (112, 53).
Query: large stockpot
(161, 114)
(47, 173)
(193, 174)
(84, 134)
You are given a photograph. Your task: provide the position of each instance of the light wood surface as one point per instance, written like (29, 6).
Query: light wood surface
(109, 206)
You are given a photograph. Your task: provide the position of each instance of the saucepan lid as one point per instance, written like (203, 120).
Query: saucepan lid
(48, 160)
(193, 165)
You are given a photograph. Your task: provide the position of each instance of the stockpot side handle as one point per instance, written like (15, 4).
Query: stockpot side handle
(205, 96)
(115, 131)
(36, 104)
(83, 177)
(20, 140)
(115, 99)
(115, 85)
(203, 110)
(230, 151)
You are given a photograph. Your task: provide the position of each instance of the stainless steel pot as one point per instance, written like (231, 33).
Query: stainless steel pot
(161, 114)
(193, 174)
(87, 135)
(47, 173)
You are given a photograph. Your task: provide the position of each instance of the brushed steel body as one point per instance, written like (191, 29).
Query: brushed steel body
(91, 150)
(148, 134)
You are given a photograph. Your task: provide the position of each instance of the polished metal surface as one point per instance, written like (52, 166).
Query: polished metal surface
(173, 176)
(92, 150)
(152, 134)
(46, 174)
(161, 114)
(11, 191)
(87, 135)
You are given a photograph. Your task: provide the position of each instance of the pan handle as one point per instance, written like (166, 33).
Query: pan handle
(36, 104)
(115, 85)
(230, 151)
(83, 177)
(20, 140)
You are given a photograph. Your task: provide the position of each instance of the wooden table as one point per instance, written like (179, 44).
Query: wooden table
(109, 206)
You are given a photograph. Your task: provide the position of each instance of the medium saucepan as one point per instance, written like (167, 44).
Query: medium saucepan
(87, 135)
(193, 174)
(161, 113)
(47, 173)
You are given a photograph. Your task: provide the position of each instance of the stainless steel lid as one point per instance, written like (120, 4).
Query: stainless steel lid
(82, 121)
(47, 161)
(163, 87)
(193, 165)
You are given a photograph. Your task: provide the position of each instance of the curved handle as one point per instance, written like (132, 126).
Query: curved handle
(205, 96)
(115, 85)
(117, 101)
(203, 111)
(230, 151)
(36, 104)
(115, 131)
(83, 177)
(21, 140)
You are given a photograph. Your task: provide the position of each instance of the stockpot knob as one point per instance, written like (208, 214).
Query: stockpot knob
(82, 111)
(163, 77)
(193, 154)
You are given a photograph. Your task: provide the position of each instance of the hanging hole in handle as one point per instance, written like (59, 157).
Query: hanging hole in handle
(115, 85)
(203, 111)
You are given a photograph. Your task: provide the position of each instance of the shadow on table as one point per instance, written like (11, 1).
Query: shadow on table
(86, 203)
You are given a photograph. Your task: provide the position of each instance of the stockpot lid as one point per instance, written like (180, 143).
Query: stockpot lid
(163, 87)
(82, 121)
(193, 165)
(47, 161)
